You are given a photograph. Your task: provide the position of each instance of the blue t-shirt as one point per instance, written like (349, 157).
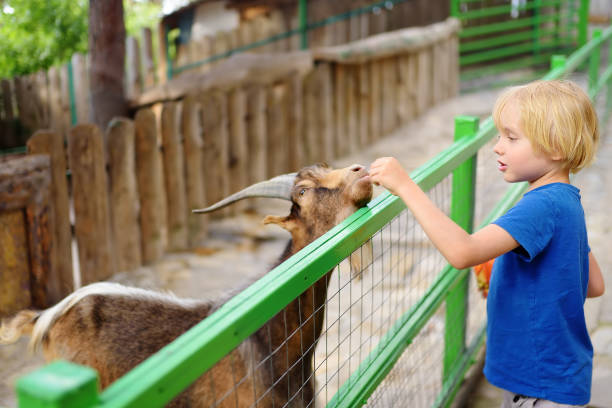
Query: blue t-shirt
(537, 340)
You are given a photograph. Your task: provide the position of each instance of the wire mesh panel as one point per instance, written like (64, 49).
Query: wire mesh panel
(398, 266)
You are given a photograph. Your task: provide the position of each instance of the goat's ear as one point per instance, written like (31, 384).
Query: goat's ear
(285, 222)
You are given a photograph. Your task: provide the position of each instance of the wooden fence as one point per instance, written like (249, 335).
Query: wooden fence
(194, 142)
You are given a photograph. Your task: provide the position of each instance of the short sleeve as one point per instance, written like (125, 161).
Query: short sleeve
(531, 222)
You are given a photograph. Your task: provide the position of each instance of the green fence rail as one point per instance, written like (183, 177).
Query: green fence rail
(165, 374)
(495, 39)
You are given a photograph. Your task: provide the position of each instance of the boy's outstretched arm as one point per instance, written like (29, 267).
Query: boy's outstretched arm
(596, 285)
(460, 249)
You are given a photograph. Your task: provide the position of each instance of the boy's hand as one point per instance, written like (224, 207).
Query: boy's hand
(389, 173)
(483, 276)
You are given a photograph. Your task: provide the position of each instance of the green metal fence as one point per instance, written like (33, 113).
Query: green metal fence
(498, 36)
(404, 329)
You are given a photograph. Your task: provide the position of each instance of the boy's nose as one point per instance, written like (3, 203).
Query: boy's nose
(497, 149)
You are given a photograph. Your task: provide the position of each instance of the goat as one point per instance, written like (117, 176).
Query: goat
(112, 328)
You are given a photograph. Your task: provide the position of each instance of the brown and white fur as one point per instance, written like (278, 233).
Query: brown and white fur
(112, 328)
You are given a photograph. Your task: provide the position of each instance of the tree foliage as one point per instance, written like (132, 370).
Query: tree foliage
(36, 34)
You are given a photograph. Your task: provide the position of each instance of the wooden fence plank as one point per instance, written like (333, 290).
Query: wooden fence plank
(7, 124)
(215, 138)
(125, 208)
(277, 129)
(340, 118)
(56, 119)
(24, 211)
(257, 133)
(389, 104)
(352, 139)
(52, 143)
(133, 78)
(238, 149)
(363, 102)
(195, 178)
(375, 100)
(312, 142)
(91, 211)
(326, 111)
(295, 125)
(15, 292)
(81, 88)
(174, 176)
(148, 65)
(150, 186)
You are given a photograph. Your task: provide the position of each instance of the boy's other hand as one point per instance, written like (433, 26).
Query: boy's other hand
(389, 173)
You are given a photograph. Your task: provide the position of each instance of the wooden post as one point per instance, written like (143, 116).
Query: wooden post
(148, 65)
(277, 129)
(375, 100)
(61, 281)
(91, 212)
(215, 138)
(56, 117)
(195, 180)
(363, 98)
(257, 131)
(65, 101)
(238, 149)
(389, 104)
(15, 293)
(326, 113)
(133, 76)
(26, 225)
(174, 176)
(124, 194)
(9, 113)
(295, 123)
(423, 80)
(340, 93)
(81, 88)
(312, 141)
(351, 139)
(150, 186)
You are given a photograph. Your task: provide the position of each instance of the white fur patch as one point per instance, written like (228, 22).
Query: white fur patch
(49, 316)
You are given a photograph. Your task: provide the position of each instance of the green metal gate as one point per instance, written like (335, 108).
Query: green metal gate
(502, 35)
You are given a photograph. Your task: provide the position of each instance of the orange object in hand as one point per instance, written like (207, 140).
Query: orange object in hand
(483, 276)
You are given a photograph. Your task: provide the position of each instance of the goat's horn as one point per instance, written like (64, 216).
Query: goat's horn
(277, 187)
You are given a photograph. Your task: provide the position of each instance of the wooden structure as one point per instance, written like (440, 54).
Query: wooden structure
(198, 138)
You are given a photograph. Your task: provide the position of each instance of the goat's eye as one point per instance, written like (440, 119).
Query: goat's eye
(302, 191)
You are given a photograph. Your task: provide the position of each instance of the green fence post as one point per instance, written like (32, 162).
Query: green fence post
(71, 94)
(583, 22)
(462, 212)
(537, 21)
(454, 8)
(303, 19)
(594, 61)
(609, 85)
(59, 385)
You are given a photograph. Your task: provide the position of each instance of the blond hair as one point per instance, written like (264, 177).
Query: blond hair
(557, 117)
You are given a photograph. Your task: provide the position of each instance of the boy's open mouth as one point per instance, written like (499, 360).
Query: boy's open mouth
(501, 166)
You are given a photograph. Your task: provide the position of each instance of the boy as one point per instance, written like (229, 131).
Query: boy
(538, 347)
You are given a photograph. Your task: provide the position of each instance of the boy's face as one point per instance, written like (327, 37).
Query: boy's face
(517, 159)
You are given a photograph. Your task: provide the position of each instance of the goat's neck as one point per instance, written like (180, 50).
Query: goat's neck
(291, 335)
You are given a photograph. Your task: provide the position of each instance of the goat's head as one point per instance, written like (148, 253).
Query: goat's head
(321, 198)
